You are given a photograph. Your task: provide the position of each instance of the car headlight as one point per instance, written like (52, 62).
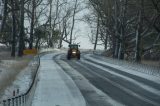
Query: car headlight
(74, 52)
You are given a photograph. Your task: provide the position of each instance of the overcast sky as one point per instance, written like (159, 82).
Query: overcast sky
(83, 31)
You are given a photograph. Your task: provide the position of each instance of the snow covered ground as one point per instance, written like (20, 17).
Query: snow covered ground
(55, 87)
(9, 68)
(19, 83)
(53, 83)
(144, 68)
(141, 72)
(101, 63)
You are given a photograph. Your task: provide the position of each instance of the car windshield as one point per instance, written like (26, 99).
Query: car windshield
(74, 46)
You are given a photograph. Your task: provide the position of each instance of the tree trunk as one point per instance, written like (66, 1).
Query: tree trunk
(117, 45)
(54, 22)
(32, 24)
(106, 42)
(138, 42)
(116, 30)
(122, 32)
(138, 52)
(13, 29)
(61, 38)
(97, 33)
(37, 43)
(50, 25)
(73, 21)
(113, 46)
(60, 42)
(106, 37)
(21, 34)
(4, 15)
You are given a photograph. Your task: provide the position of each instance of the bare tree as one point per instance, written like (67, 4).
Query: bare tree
(13, 28)
(73, 20)
(32, 23)
(97, 33)
(4, 15)
(21, 34)
(129, 27)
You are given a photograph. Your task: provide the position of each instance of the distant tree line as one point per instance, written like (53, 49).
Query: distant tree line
(33, 23)
(128, 29)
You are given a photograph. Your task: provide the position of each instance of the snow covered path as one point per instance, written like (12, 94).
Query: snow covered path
(55, 87)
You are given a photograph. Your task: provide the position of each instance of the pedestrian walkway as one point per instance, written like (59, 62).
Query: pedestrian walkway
(55, 87)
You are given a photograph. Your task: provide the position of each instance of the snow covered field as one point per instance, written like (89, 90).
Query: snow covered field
(21, 82)
(9, 69)
(15, 74)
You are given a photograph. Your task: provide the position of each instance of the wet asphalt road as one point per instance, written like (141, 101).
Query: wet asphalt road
(120, 89)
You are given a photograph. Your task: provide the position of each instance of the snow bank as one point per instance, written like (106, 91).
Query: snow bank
(135, 70)
(143, 68)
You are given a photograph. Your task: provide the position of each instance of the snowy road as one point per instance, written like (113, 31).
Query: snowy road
(92, 81)
(54, 87)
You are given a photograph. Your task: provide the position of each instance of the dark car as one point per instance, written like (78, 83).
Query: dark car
(73, 51)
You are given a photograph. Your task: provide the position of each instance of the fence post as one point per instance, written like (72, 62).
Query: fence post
(20, 100)
(24, 99)
(12, 101)
(14, 93)
(4, 103)
(9, 102)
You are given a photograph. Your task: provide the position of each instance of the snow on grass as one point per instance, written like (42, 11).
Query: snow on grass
(141, 73)
(9, 69)
(21, 82)
(15, 75)
(144, 68)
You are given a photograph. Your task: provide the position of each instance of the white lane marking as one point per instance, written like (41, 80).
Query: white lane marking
(119, 86)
